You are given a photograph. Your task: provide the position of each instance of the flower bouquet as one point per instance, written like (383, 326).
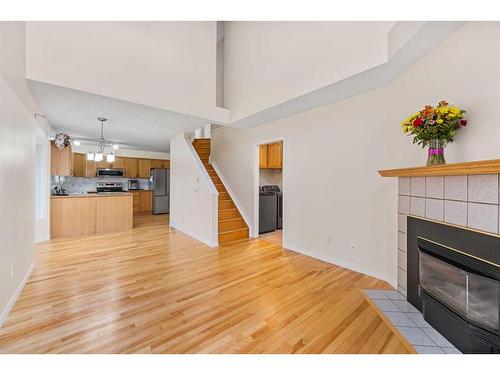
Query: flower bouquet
(434, 127)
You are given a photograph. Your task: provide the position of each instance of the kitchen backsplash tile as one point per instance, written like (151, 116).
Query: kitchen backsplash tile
(86, 184)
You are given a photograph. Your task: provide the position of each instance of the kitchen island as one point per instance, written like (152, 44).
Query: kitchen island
(73, 215)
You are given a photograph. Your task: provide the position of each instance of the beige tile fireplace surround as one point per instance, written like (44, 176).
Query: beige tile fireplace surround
(467, 199)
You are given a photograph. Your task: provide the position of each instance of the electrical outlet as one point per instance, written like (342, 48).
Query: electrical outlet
(353, 246)
(11, 272)
(329, 240)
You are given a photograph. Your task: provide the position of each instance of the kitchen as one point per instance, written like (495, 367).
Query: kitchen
(99, 192)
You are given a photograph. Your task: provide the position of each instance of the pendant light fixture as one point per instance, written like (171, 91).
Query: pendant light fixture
(99, 155)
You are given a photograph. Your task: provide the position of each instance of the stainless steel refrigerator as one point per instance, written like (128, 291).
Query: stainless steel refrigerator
(160, 184)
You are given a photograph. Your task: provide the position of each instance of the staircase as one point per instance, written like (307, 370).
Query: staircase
(232, 226)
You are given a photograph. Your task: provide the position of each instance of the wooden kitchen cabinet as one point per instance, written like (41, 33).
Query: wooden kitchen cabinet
(144, 168)
(166, 163)
(155, 163)
(118, 163)
(79, 164)
(72, 216)
(131, 167)
(86, 214)
(61, 161)
(90, 168)
(263, 156)
(142, 202)
(271, 155)
(114, 213)
(275, 155)
(146, 202)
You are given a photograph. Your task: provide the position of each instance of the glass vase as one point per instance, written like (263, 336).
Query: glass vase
(436, 152)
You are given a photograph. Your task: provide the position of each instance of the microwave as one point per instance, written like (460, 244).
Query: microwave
(113, 172)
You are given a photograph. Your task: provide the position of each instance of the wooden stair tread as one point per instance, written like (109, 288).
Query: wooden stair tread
(232, 219)
(234, 230)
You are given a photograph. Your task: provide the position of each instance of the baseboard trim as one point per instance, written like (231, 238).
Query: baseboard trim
(196, 237)
(13, 299)
(342, 263)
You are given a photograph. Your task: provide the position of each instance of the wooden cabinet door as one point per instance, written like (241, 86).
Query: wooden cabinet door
(155, 163)
(275, 155)
(61, 161)
(79, 164)
(135, 199)
(146, 201)
(144, 167)
(263, 156)
(130, 165)
(90, 168)
(166, 163)
(103, 164)
(118, 163)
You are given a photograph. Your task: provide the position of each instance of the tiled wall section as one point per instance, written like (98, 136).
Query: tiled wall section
(469, 201)
(86, 184)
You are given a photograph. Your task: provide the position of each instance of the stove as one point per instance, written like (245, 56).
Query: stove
(109, 187)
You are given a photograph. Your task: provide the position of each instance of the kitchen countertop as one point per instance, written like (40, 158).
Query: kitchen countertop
(92, 195)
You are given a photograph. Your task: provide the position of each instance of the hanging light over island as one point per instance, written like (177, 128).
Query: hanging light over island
(100, 155)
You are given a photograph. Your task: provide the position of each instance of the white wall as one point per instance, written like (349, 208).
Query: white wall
(334, 197)
(17, 163)
(193, 196)
(170, 65)
(271, 177)
(267, 63)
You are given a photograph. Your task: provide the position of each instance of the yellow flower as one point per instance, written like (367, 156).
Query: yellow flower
(439, 121)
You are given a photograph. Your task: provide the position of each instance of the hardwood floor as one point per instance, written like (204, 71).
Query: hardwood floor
(155, 290)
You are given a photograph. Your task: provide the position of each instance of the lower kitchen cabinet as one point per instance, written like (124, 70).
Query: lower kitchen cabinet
(142, 202)
(79, 215)
(114, 213)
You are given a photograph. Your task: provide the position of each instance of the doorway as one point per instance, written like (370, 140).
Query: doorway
(270, 192)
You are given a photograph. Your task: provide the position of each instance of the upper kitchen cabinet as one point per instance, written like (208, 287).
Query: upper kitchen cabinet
(263, 156)
(61, 161)
(131, 167)
(79, 165)
(275, 155)
(118, 163)
(144, 167)
(155, 163)
(90, 168)
(271, 155)
(166, 164)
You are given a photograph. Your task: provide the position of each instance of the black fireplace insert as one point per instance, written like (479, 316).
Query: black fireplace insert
(454, 280)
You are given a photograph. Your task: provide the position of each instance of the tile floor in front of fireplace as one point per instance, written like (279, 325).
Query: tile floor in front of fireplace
(410, 322)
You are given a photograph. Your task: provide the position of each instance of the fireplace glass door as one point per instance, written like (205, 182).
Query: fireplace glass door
(475, 297)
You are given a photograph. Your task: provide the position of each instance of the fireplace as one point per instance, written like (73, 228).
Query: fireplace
(454, 279)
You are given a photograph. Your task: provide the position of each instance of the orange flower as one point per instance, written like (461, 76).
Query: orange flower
(443, 103)
(428, 111)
